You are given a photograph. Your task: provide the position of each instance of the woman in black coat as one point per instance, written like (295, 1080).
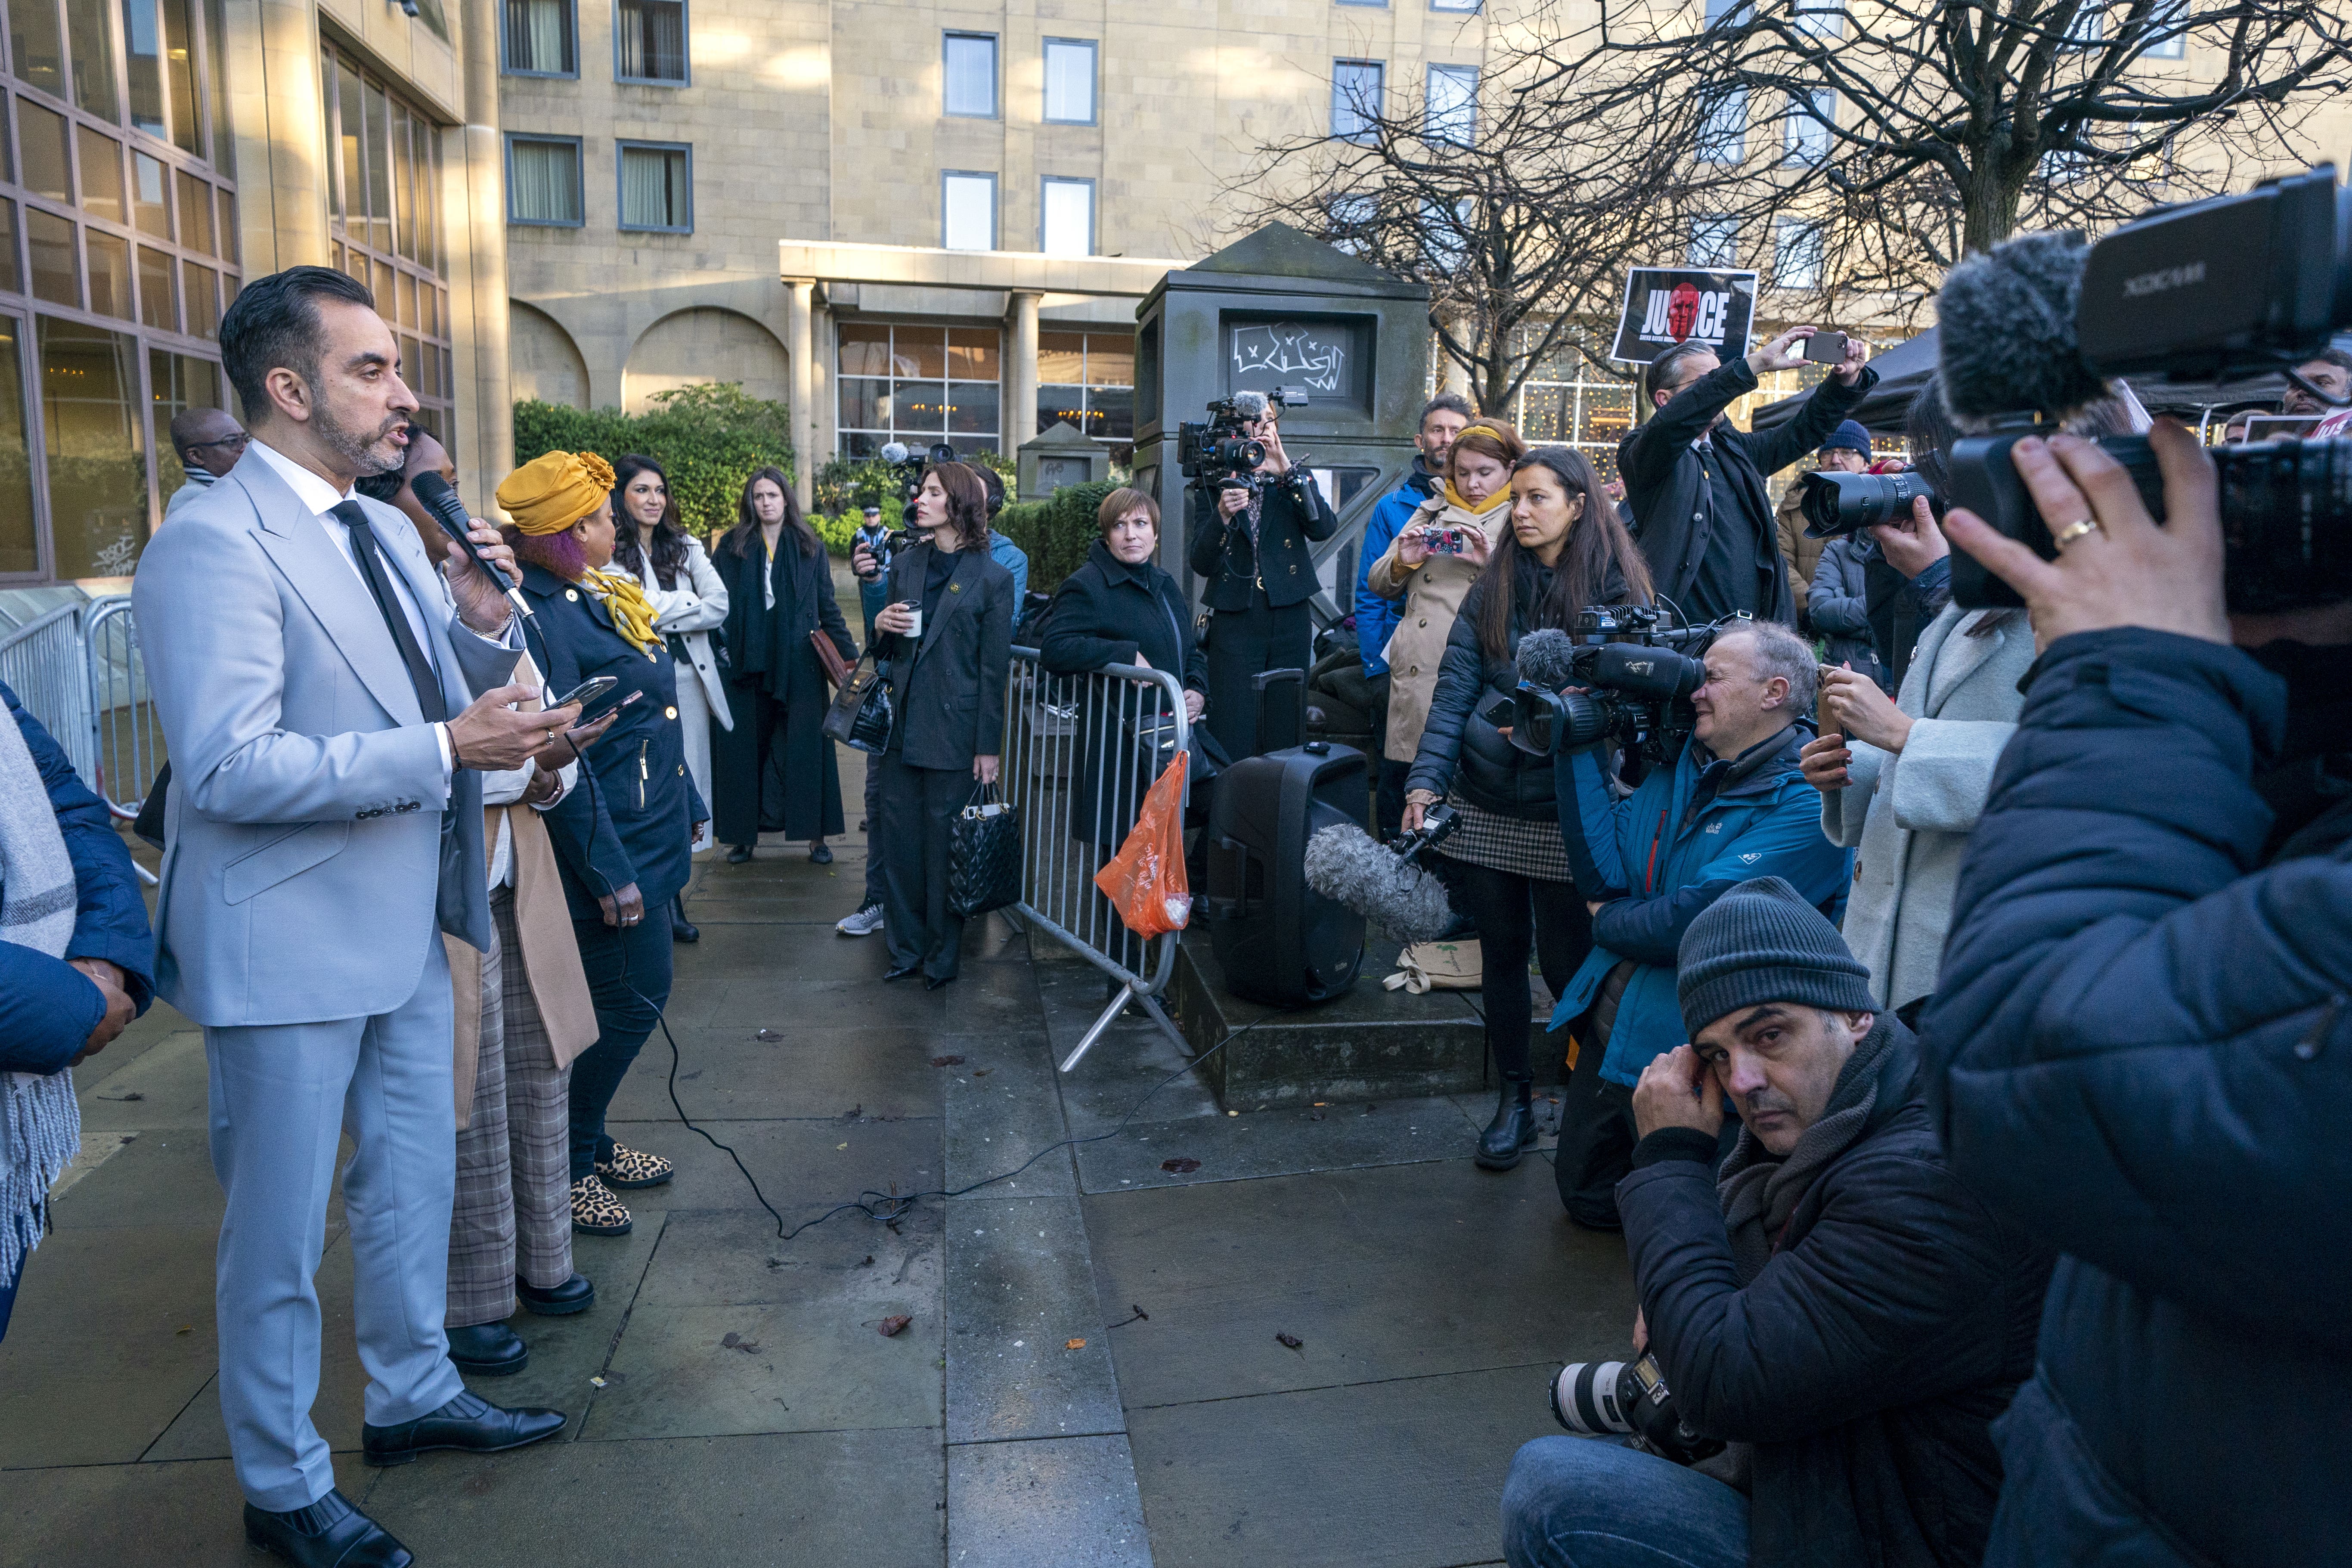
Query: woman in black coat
(1121, 608)
(1506, 863)
(1251, 548)
(775, 772)
(623, 838)
(948, 634)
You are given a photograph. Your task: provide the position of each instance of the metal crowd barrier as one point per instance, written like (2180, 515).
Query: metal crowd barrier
(1121, 719)
(78, 670)
(44, 664)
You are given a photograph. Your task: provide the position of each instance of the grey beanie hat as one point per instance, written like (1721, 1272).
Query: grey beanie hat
(1762, 942)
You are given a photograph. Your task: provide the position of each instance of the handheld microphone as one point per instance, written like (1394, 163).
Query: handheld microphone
(440, 498)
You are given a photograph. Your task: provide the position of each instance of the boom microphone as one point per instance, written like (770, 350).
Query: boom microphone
(440, 498)
(1547, 659)
(895, 451)
(2005, 330)
(1250, 405)
(1346, 864)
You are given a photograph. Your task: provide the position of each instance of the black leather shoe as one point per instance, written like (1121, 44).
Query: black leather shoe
(488, 1349)
(680, 928)
(1511, 1131)
(469, 1422)
(904, 972)
(330, 1533)
(936, 981)
(821, 853)
(575, 1295)
(739, 854)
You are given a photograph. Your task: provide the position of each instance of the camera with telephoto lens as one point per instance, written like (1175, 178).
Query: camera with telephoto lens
(1638, 677)
(1603, 1398)
(908, 463)
(1221, 447)
(1835, 504)
(2210, 290)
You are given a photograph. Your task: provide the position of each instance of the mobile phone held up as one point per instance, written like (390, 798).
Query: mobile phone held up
(1826, 348)
(588, 693)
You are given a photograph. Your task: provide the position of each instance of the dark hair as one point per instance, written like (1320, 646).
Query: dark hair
(669, 541)
(1596, 541)
(995, 484)
(738, 539)
(1119, 502)
(1444, 402)
(2340, 358)
(1928, 432)
(1663, 374)
(274, 325)
(967, 503)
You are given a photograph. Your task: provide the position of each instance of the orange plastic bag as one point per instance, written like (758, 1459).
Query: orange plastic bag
(1145, 880)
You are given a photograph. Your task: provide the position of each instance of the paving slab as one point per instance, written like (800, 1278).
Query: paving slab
(1068, 1501)
(189, 1515)
(803, 1165)
(1027, 1353)
(1003, 1107)
(1339, 1135)
(163, 1086)
(726, 1071)
(850, 1265)
(158, 1178)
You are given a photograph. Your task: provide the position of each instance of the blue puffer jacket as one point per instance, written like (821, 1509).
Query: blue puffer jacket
(2141, 1051)
(1658, 857)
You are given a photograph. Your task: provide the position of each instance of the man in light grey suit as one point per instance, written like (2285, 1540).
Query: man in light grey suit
(315, 678)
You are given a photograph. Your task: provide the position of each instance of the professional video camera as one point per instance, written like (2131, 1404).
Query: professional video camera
(1638, 678)
(1596, 1399)
(2234, 285)
(908, 463)
(1221, 447)
(1835, 504)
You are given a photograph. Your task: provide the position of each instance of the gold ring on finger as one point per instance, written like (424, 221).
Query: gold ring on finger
(2075, 530)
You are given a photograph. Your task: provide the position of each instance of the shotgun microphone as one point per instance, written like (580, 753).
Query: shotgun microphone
(440, 498)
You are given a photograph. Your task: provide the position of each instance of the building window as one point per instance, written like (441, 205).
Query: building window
(1723, 136)
(1378, 4)
(1570, 400)
(967, 211)
(1066, 218)
(543, 181)
(1087, 380)
(1350, 218)
(917, 385)
(1356, 99)
(1466, 7)
(541, 38)
(1822, 18)
(649, 41)
(1070, 81)
(1796, 254)
(1805, 133)
(657, 187)
(1715, 242)
(970, 78)
(1452, 112)
(2169, 23)
(385, 224)
(1734, 12)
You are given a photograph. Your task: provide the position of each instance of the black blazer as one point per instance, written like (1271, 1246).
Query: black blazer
(1223, 555)
(1107, 612)
(947, 689)
(636, 825)
(777, 658)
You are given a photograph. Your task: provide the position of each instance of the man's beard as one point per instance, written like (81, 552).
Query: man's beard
(362, 451)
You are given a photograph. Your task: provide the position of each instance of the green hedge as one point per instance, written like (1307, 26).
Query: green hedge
(711, 439)
(1055, 534)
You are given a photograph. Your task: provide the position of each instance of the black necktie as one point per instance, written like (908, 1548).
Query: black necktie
(396, 619)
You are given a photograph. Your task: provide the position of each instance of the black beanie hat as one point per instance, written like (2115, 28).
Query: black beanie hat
(1762, 942)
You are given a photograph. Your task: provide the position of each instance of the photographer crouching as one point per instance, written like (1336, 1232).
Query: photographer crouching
(1834, 1302)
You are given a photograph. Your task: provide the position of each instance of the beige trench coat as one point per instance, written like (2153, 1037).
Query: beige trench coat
(1433, 593)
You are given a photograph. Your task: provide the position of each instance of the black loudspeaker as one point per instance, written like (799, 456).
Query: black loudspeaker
(1278, 941)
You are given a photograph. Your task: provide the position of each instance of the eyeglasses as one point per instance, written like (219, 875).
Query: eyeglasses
(238, 442)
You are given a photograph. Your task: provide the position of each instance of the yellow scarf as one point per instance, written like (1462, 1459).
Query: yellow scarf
(632, 617)
(1480, 509)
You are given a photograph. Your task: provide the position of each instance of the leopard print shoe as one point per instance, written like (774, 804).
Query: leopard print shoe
(633, 1168)
(595, 1210)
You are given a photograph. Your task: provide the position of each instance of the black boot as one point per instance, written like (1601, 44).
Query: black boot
(680, 928)
(1513, 1129)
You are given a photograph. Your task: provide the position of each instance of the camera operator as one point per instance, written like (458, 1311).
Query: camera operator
(1834, 1298)
(2138, 1035)
(1442, 419)
(1846, 451)
(2332, 374)
(1697, 484)
(1251, 550)
(1907, 565)
(1733, 805)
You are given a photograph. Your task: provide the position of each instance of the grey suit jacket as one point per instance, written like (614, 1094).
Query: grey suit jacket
(305, 872)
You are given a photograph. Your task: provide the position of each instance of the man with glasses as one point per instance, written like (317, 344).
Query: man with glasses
(209, 443)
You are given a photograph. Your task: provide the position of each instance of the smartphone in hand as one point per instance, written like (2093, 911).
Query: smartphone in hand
(1826, 348)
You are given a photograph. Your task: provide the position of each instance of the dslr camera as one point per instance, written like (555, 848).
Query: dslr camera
(1221, 447)
(1835, 504)
(908, 463)
(1638, 677)
(2234, 285)
(1599, 1398)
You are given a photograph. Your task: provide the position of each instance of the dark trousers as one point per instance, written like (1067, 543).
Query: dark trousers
(1596, 1141)
(873, 831)
(918, 807)
(628, 979)
(1516, 915)
(1246, 643)
(1389, 805)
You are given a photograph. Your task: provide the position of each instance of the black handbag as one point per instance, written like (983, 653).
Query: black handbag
(861, 713)
(983, 855)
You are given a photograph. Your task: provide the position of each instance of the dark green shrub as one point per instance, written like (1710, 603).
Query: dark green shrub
(711, 439)
(1055, 534)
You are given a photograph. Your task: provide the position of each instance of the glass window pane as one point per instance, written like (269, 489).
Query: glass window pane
(43, 134)
(971, 354)
(1112, 411)
(109, 274)
(543, 182)
(101, 174)
(1356, 93)
(176, 382)
(865, 403)
(158, 291)
(1069, 218)
(1061, 404)
(1070, 81)
(96, 447)
(224, 157)
(414, 369)
(407, 301)
(653, 41)
(143, 42)
(224, 237)
(1110, 359)
(9, 279)
(180, 77)
(863, 351)
(351, 115)
(1452, 108)
(1061, 357)
(379, 285)
(971, 75)
(197, 292)
(920, 406)
(19, 543)
(970, 205)
(38, 49)
(654, 191)
(920, 352)
(971, 408)
(55, 262)
(379, 168)
(93, 57)
(1607, 414)
(404, 179)
(195, 212)
(539, 37)
(1546, 412)
(149, 208)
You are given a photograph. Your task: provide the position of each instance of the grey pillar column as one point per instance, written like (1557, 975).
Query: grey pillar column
(1019, 422)
(800, 345)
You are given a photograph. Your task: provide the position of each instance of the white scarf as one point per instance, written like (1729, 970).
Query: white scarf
(40, 1125)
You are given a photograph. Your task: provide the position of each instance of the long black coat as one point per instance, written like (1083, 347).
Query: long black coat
(1222, 555)
(1868, 1360)
(1667, 485)
(792, 785)
(947, 687)
(1106, 613)
(2141, 1051)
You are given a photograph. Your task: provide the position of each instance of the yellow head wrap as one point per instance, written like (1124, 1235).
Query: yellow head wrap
(556, 490)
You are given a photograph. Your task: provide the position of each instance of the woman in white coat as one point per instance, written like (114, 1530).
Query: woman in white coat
(689, 602)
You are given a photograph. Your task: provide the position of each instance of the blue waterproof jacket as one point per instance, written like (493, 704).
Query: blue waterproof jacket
(1656, 859)
(2140, 1049)
(47, 1007)
(1376, 618)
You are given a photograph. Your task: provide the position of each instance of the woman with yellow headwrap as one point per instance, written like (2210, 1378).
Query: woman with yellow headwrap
(624, 846)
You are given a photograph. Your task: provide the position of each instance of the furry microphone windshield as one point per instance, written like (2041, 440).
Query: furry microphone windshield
(1345, 865)
(2005, 330)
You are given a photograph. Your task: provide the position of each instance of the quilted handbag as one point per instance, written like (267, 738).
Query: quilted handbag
(983, 855)
(860, 715)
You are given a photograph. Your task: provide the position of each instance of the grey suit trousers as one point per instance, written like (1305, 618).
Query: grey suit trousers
(282, 1095)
